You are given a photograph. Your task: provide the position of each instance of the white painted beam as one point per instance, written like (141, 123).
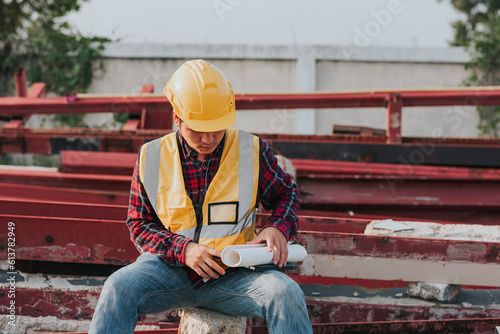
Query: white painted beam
(394, 269)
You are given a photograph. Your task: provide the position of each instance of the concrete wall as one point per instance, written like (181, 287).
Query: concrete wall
(270, 69)
(366, 76)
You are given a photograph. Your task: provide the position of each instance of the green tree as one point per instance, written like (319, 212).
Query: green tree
(479, 32)
(34, 34)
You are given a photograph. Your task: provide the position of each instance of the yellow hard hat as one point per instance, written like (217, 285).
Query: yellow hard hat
(202, 97)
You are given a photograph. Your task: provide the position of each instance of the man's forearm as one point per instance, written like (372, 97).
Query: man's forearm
(148, 236)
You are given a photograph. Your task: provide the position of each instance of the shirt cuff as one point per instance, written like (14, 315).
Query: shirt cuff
(280, 224)
(179, 254)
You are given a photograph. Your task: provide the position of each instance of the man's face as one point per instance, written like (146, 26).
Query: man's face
(202, 142)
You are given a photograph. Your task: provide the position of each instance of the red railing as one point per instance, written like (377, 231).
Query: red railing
(155, 110)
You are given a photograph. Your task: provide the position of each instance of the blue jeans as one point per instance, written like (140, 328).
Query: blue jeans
(149, 285)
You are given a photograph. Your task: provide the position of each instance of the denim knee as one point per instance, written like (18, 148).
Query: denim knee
(117, 287)
(284, 288)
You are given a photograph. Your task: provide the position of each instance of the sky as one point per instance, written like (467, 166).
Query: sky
(392, 23)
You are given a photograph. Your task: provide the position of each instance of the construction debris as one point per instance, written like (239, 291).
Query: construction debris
(428, 291)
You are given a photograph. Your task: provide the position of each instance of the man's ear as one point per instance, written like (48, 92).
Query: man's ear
(177, 120)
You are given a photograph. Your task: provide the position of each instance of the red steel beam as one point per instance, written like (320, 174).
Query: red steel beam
(149, 134)
(392, 318)
(326, 185)
(97, 162)
(394, 118)
(113, 183)
(123, 164)
(106, 241)
(69, 305)
(372, 170)
(331, 243)
(343, 192)
(446, 326)
(147, 89)
(85, 162)
(45, 208)
(14, 124)
(131, 125)
(20, 79)
(37, 89)
(41, 193)
(326, 316)
(419, 192)
(81, 104)
(65, 239)
(473, 96)
(13, 106)
(30, 140)
(40, 140)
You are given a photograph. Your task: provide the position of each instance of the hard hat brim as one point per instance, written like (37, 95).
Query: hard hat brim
(218, 124)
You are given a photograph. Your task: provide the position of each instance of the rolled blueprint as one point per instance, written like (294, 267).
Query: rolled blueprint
(253, 255)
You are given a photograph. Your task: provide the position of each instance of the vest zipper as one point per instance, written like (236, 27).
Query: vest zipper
(198, 210)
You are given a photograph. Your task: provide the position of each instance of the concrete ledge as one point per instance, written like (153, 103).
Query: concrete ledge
(205, 321)
(283, 52)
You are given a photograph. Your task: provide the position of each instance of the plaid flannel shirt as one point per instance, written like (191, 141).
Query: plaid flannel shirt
(277, 192)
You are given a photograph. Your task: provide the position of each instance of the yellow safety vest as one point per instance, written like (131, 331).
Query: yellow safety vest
(227, 214)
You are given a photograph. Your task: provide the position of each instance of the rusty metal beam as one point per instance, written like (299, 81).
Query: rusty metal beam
(357, 130)
(395, 318)
(45, 208)
(40, 193)
(349, 193)
(463, 153)
(84, 104)
(97, 162)
(131, 125)
(105, 241)
(65, 239)
(52, 141)
(112, 183)
(148, 134)
(447, 326)
(417, 151)
(69, 304)
(401, 171)
(123, 164)
(357, 244)
(37, 89)
(421, 192)
(20, 79)
(14, 124)
(13, 106)
(72, 236)
(394, 105)
(327, 316)
(465, 97)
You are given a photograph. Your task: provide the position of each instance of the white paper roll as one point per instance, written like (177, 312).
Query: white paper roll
(253, 255)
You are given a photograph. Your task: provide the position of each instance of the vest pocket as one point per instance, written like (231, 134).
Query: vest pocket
(223, 213)
(175, 214)
(173, 200)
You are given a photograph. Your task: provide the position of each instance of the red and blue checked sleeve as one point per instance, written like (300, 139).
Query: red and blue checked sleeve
(279, 193)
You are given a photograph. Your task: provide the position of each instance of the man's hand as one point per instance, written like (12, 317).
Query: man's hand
(199, 258)
(276, 242)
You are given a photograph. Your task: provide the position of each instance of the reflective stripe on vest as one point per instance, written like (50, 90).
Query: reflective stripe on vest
(228, 212)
